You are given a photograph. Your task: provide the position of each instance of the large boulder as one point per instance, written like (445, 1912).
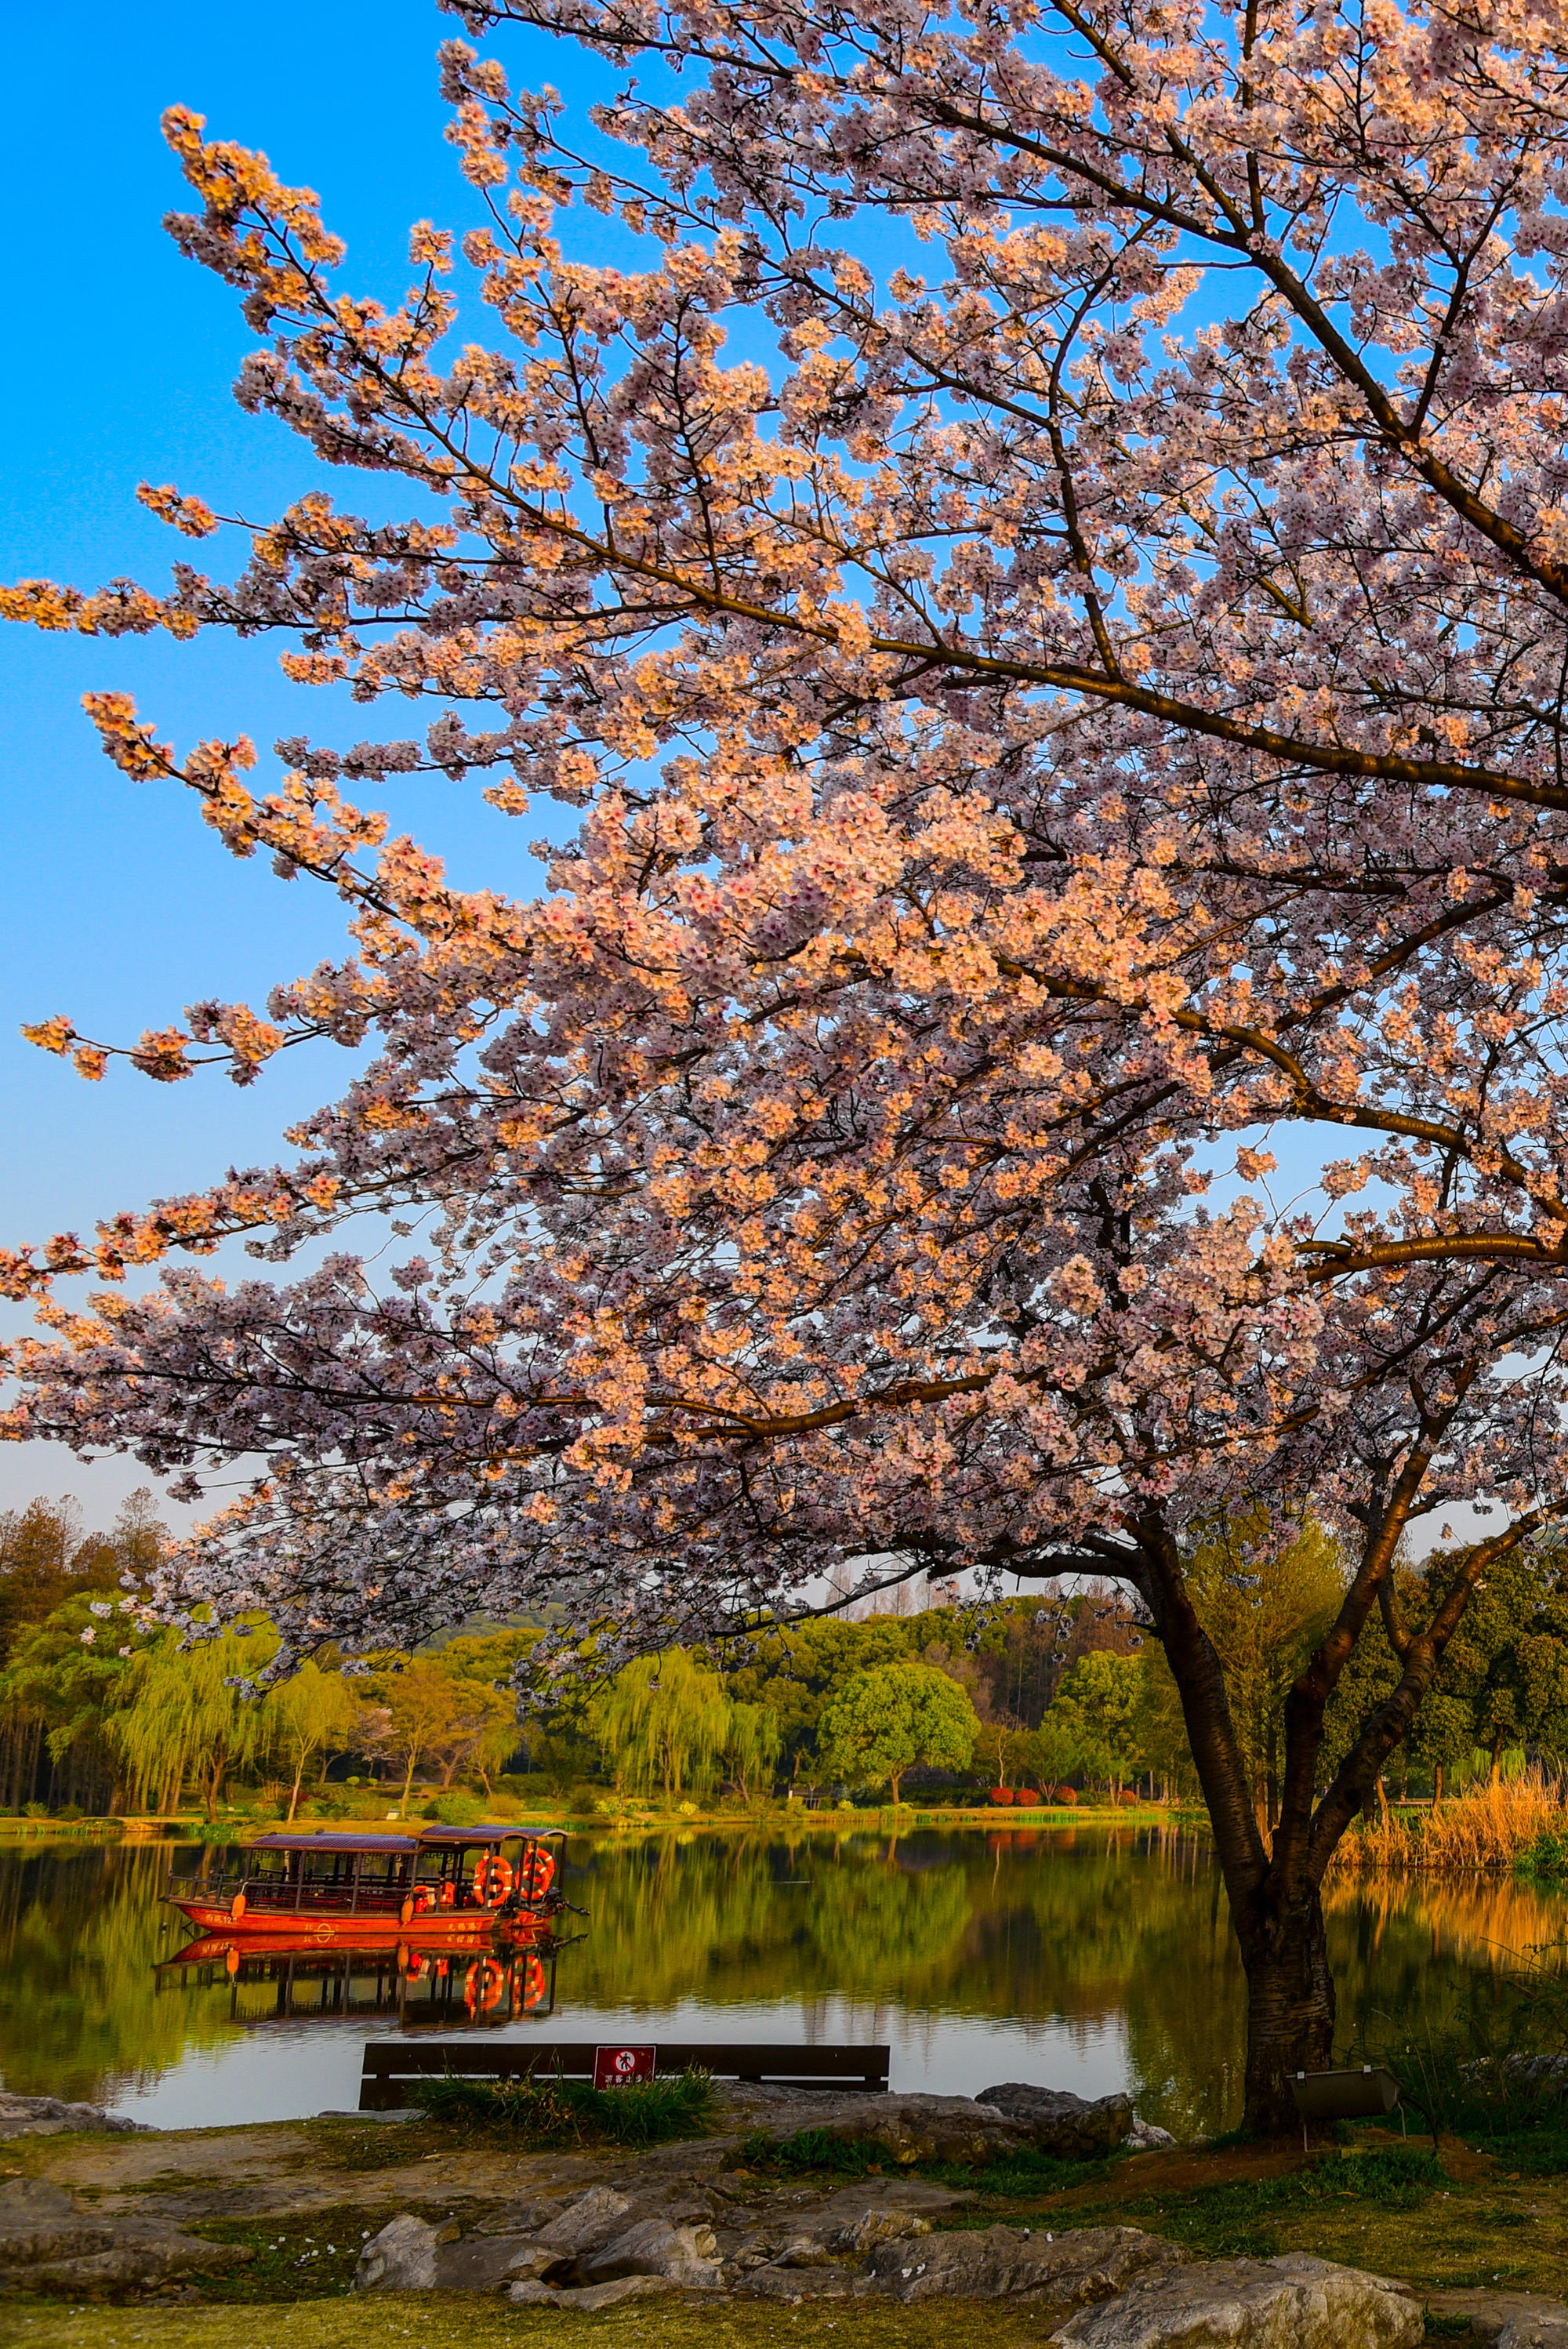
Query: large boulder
(588, 2297)
(401, 2258)
(49, 2116)
(1295, 2302)
(1065, 2271)
(47, 2244)
(682, 2255)
(1540, 2329)
(1063, 2125)
(586, 2222)
(40, 2221)
(908, 2129)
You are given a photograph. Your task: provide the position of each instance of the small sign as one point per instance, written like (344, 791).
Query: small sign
(617, 2067)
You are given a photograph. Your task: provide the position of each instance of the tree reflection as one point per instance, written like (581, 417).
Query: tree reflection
(1094, 1929)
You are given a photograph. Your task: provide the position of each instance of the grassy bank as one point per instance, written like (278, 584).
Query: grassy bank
(1486, 1830)
(468, 2320)
(646, 1819)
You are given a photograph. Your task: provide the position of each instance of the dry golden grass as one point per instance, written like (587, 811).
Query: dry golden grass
(1480, 1832)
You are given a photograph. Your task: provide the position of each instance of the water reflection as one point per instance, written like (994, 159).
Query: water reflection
(1086, 1960)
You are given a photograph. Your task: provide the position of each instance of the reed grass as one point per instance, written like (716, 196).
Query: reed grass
(1490, 1829)
(545, 2110)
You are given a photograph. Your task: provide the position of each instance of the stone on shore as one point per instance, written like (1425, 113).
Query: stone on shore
(1084, 2263)
(1068, 2127)
(1295, 2302)
(49, 2116)
(47, 2244)
(588, 2297)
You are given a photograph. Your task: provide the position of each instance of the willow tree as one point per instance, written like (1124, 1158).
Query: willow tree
(1078, 696)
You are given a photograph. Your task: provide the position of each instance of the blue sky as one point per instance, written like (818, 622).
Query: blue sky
(116, 905)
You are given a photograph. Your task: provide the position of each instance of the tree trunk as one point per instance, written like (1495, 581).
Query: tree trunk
(895, 1776)
(1496, 1770)
(1290, 2013)
(294, 1792)
(1437, 1785)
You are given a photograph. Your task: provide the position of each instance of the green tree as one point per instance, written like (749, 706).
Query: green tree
(893, 1718)
(1265, 1607)
(308, 1718)
(181, 1712)
(664, 1719)
(419, 1714)
(1097, 1708)
(751, 1747)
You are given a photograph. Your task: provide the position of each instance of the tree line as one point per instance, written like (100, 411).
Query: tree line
(1058, 1690)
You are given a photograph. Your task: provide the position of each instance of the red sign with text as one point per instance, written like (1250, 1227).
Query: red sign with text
(617, 2067)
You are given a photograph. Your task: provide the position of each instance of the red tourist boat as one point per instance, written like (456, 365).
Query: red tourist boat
(373, 1891)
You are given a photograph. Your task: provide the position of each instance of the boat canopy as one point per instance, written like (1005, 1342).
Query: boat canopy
(438, 1837)
(335, 1839)
(421, 1838)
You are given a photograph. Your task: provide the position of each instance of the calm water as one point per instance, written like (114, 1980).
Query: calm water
(1085, 1960)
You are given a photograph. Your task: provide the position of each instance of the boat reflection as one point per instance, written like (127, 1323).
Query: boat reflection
(439, 1986)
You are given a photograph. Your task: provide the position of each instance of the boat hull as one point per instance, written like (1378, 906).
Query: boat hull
(435, 1930)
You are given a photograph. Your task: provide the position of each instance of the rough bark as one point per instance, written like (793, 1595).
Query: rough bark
(1290, 2006)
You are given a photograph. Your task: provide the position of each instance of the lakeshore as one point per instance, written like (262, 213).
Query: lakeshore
(288, 2210)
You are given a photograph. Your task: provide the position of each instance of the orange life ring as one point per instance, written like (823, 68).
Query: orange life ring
(492, 1880)
(483, 1985)
(537, 1873)
(411, 1965)
(532, 1987)
(448, 1894)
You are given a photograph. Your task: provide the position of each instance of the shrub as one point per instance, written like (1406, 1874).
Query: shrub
(553, 2111)
(1545, 1857)
(1127, 1799)
(456, 1809)
(1001, 1795)
(1025, 1798)
(1068, 1794)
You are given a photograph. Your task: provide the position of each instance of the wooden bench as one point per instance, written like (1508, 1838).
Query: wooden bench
(393, 2066)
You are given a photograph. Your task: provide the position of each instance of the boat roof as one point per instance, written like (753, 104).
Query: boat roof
(420, 1839)
(333, 1839)
(498, 1832)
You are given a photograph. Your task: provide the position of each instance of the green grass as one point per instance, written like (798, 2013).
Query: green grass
(1241, 2221)
(552, 2111)
(309, 2257)
(1022, 2176)
(1529, 2153)
(385, 2145)
(474, 2320)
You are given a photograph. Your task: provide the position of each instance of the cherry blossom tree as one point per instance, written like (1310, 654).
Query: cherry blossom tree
(1069, 712)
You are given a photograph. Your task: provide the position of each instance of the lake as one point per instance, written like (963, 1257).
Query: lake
(1089, 1958)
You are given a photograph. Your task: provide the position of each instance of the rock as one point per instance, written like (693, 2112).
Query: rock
(1295, 2302)
(133, 2263)
(40, 2221)
(910, 2128)
(1062, 2123)
(401, 2258)
(1085, 2263)
(1490, 2313)
(683, 2255)
(863, 2234)
(777, 2282)
(1543, 2329)
(586, 2222)
(47, 2117)
(590, 2296)
(483, 2262)
(1144, 2138)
